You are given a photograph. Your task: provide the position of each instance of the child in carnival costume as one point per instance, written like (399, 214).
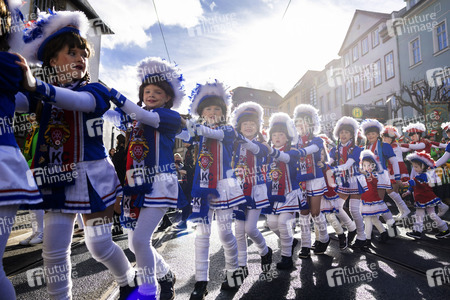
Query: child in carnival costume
(215, 188)
(372, 206)
(282, 185)
(249, 163)
(70, 147)
(350, 182)
(151, 184)
(332, 205)
(17, 185)
(384, 153)
(418, 144)
(425, 199)
(310, 175)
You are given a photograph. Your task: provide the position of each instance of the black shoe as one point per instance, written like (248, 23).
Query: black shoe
(166, 223)
(358, 244)
(266, 261)
(414, 234)
(305, 252)
(384, 236)
(200, 290)
(321, 247)
(125, 291)
(351, 237)
(314, 245)
(294, 244)
(342, 241)
(442, 234)
(286, 263)
(167, 284)
(244, 271)
(236, 278)
(368, 244)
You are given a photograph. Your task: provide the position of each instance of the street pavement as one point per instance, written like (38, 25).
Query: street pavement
(395, 270)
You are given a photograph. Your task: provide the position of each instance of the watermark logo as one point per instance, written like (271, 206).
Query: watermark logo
(341, 276)
(39, 276)
(214, 25)
(411, 25)
(438, 276)
(95, 127)
(438, 76)
(51, 175)
(98, 27)
(339, 76)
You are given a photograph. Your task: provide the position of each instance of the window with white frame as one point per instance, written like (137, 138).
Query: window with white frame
(355, 53)
(346, 59)
(440, 39)
(348, 90)
(376, 73)
(328, 102)
(357, 85)
(367, 79)
(414, 52)
(389, 65)
(365, 45)
(375, 37)
(312, 97)
(338, 96)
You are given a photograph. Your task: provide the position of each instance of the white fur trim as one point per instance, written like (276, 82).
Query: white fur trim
(422, 156)
(17, 26)
(445, 126)
(160, 67)
(244, 106)
(310, 110)
(346, 121)
(417, 126)
(282, 117)
(51, 23)
(368, 123)
(391, 131)
(202, 91)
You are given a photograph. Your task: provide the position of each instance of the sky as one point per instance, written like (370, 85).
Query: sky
(251, 43)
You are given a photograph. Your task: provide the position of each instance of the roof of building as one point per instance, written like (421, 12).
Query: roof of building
(85, 7)
(262, 97)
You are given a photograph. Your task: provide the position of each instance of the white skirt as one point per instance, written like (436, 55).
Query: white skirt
(17, 184)
(259, 195)
(353, 188)
(290, 205)
(164, 192)
(316, 187)
(384, 181)
(230, 194)
(103, 179)
(373, 208)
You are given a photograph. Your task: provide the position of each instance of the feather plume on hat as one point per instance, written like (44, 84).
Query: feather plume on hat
(207, 90)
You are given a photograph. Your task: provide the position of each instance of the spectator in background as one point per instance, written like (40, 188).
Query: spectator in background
(119, 160)
(112, 151)
(186, 175)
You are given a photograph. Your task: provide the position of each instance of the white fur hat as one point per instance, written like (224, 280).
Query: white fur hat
(346, 121)
(306, 109)
(207, 90)
(368, 154)
(17, 25)
(445, 126)
(371, 123)
(47, 26)
(414, 128)
(248, 108)
(162, 70)
(391, 132)
(284, 119)
(421, 156)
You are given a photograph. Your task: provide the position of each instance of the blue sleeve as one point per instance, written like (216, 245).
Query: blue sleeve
(412, 184)
(447, 149)
(388, 151)
(333, 153)
(294, 155)
(355, 154)
(169, 120)
(229, 134)
(422, 177)
(11, 74)
(101, 95)
(317, 141)
(263, 151)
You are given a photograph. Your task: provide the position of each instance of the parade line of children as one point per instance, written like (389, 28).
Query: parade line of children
(239, 175)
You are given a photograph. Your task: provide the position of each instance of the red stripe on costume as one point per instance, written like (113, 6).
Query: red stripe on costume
(161, 198)
(18, 190)
(113, 192)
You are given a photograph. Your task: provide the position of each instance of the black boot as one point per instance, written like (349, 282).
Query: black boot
(167, 284)
(351, 237)
(305, 252)
(286, 263)
(384, 236)
(294, 244)
(233, 280)
(266, 260)
(200, 290)
(321, 247)
(342, 241)
(165, 223)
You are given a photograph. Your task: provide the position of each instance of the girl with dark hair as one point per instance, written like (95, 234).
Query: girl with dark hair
(350, 182)
(71, 163)
(249, 162)
(15, 189)
(151, 184)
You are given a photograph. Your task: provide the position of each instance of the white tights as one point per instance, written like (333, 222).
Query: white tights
(281, 225)
(150, 263)
(58, 232)
(355, 211)
(420, 214)
(203, 232)
(369, 222)
(248, 227)
(7, 214)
